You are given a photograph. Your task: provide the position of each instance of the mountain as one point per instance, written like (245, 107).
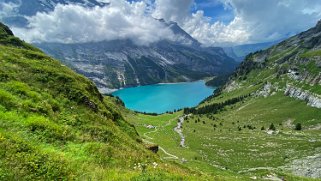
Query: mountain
(55, 125)
(263, 124)
(121, 63)
(268, 112)
(182, 37)
(239, 52)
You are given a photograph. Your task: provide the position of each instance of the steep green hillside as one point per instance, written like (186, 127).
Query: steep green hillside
(264, 124)
(268, 113)
(55, 125)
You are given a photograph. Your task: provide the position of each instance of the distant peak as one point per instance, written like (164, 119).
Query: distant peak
(318, 26)
(161, 20)
(173, 22)
(167, 22)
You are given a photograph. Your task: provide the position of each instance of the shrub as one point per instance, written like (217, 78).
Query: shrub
(298, 127)
(7, 100)
(272, 127)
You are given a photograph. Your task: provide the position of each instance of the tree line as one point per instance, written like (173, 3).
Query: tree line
(214, 108)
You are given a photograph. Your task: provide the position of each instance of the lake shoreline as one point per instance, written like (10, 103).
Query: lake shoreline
(110, 91)
(164, 97)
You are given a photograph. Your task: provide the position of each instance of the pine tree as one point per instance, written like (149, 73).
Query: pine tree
(272, 127)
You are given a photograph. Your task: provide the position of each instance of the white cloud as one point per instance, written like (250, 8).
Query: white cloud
(8, 9)
(172, 10)
(274, 19)
(254, 21)
(213, 34)
(74, 24)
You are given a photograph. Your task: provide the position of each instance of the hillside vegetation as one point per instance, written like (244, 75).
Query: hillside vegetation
(263, 124)
(55, 125)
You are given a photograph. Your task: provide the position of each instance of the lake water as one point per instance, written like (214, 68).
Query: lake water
(159, 98)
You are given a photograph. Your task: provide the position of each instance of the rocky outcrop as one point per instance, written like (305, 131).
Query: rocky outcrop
(266, 91)
(308, 166)
(312, 99)
(305, 77)
(231, 86)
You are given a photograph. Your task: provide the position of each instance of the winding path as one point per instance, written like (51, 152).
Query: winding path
(169, 155)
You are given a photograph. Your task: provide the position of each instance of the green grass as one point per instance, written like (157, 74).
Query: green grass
(216, 146)
(235, 142)
(311, 53)
(55, 125)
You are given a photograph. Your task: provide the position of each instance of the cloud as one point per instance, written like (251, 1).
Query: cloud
(214, 34)
(274, 19)
(254, 21)
(8, 9)
(77, 24)
(173, 10)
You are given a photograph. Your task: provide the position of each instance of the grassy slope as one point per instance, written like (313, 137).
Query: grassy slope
(54, 125)
(235, 140)
(217, 147)
(169, 140)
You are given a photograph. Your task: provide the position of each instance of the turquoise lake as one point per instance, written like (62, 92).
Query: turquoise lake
(159, 98)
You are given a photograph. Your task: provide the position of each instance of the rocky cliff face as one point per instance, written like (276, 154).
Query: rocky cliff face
(292, 67)
(121, 63)
(312, 100)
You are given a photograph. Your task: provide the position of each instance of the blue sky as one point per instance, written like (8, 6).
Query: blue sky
(215, 9)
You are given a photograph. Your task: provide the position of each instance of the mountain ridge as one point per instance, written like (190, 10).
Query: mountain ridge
(121, 63)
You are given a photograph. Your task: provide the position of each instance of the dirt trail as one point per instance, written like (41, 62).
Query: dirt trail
(169, 155)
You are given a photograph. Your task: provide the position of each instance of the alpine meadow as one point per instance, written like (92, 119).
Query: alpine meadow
(138, 90)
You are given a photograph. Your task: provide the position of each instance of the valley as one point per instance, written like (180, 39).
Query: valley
(151, 90)
(264, 123)
(54, 124)
(238, 142)
(253, 128)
